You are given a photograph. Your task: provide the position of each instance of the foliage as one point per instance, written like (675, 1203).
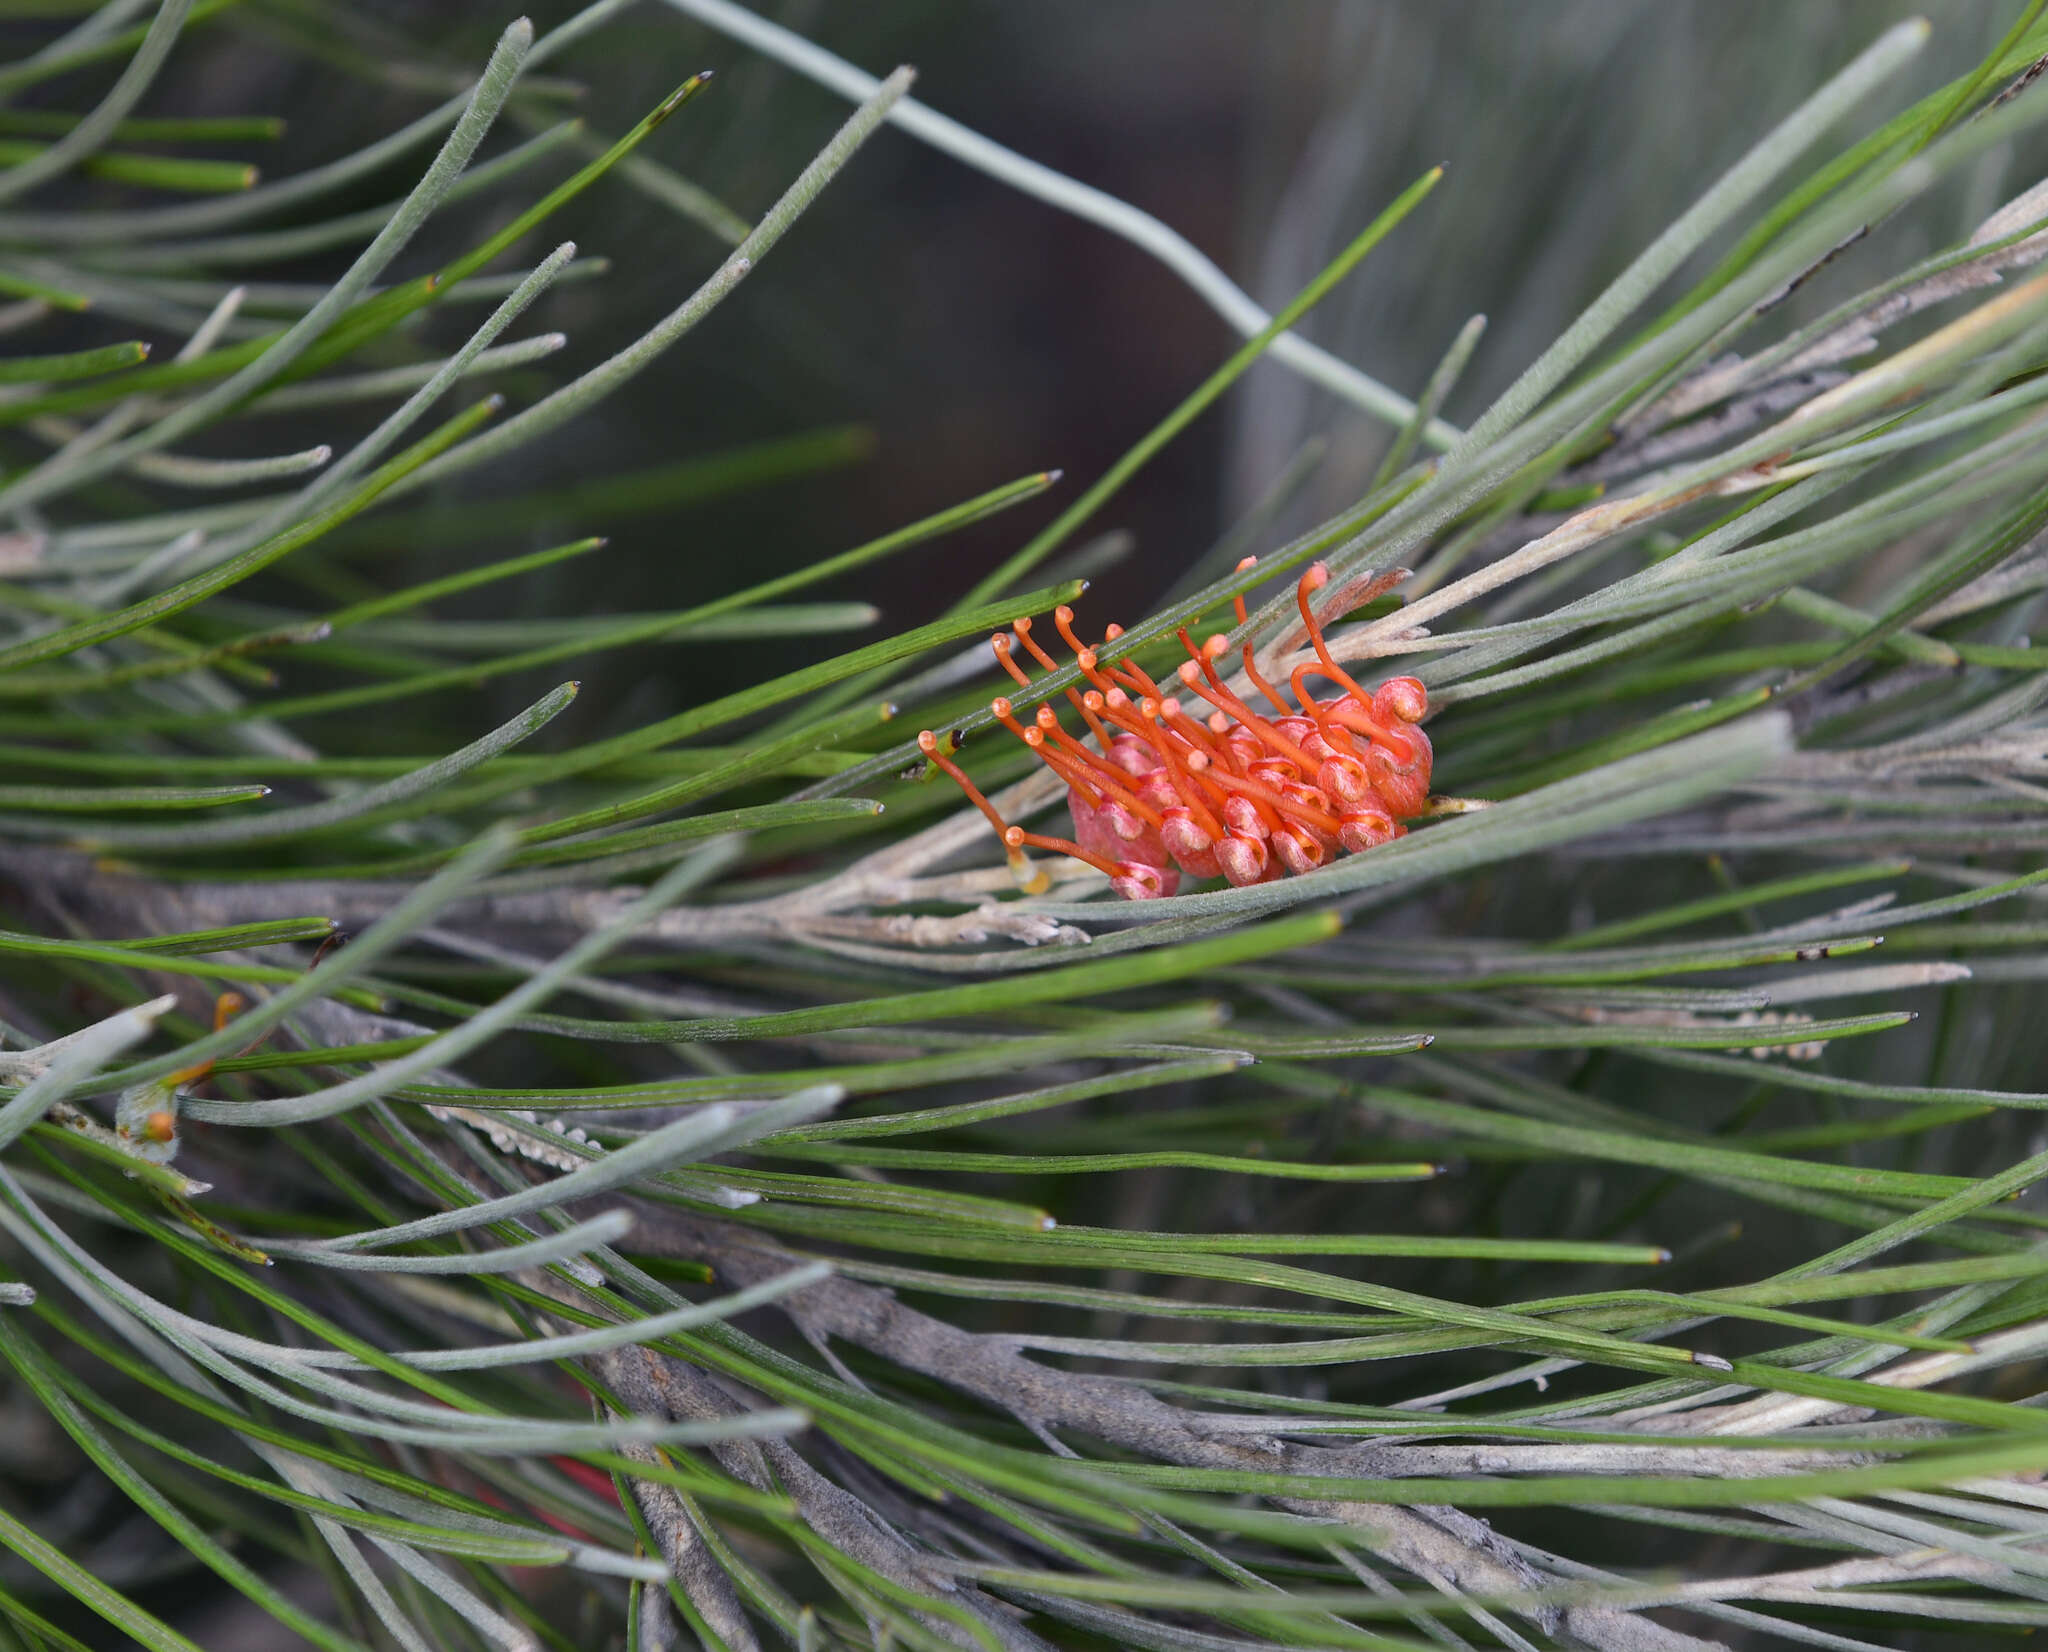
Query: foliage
(826, 1243)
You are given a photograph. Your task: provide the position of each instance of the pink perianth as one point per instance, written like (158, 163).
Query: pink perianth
(1093, 829)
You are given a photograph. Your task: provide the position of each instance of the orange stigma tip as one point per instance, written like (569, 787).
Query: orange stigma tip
(1216, 646)
(1248, 562)
(927, 742)
(1189, 671)
(1112, 631)
(1316, 578)
(1000, 706)
(1218, 723)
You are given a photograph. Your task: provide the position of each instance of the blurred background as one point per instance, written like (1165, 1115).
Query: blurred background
(937, 333)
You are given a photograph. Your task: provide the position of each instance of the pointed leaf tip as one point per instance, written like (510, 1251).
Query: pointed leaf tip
(680, 96)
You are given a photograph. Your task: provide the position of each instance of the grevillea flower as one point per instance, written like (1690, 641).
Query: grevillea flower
(1236, 793)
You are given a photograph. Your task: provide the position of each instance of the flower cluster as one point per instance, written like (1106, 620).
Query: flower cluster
(1235, 794)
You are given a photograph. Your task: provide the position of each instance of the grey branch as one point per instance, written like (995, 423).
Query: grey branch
(1432, 1543)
